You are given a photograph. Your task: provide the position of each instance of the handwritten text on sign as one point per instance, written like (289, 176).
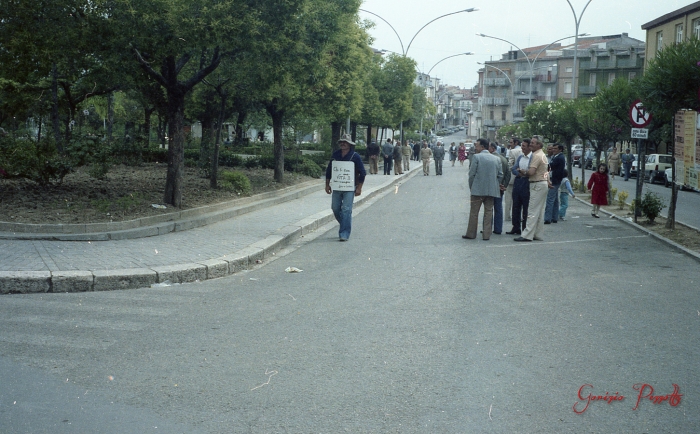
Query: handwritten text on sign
(343, 176)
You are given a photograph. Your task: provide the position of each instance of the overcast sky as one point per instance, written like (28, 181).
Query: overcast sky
(525, 23)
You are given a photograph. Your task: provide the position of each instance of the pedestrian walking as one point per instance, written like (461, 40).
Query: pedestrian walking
(425, 154)
(398, 159)
(341, 201)
(485, 176)
(539, 186)
(613, 162)
(406, 151)
(627, 160)
(565, 191)
(388, 155)
(438, 156)
(373, 157)
(461, 153)
(453, 153)
(416, 151)
(599, 184)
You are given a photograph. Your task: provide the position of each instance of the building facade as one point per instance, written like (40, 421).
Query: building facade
(672, 28)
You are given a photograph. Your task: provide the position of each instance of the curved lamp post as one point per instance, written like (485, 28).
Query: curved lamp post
(577, 20)
(405, 52)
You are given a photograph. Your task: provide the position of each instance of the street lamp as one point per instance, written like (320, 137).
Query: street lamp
(532, 64)
(577, 20)
(405, 52)
(468, 53)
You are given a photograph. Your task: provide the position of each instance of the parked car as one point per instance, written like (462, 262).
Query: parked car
(656, 165)
(633, 169)
(668, 177)
(576, 158)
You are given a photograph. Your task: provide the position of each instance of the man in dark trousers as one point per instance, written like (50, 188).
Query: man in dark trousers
(521, 189)
(341, 202)
(388, 155)
(485, 176)
(557, 166)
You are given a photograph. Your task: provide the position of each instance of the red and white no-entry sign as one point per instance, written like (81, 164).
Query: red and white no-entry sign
(639, 116)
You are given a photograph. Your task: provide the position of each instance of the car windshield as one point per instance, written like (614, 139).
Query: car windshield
(665, 159)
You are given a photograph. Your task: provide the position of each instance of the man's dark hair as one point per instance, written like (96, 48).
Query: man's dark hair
(526, 141)
(516, 141)
(560, 146)
(483, 142)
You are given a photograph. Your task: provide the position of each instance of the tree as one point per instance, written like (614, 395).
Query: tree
(670, 83)
(166, 38)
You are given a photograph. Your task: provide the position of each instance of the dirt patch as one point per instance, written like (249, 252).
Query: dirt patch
(126, 193)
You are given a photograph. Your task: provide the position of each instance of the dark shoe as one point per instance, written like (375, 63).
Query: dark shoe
(513, 233)
(521, 239)
(596, 216)
(547, 222)
(554, 221)
(467, 238)
(497, 233)
(343, 239)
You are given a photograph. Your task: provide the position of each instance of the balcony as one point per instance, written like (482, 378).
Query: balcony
(587, 90)
(502, 81)
(493, 123)
(496, 101)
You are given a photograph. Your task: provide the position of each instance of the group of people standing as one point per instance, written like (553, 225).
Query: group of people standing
(399, 156)
(532, 182)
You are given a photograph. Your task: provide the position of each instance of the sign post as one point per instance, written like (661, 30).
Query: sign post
(640, 118)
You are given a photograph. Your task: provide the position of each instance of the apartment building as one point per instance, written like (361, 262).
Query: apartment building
(674, 27)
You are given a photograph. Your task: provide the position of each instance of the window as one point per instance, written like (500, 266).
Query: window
(611, 78)
(632, 75)
(567, 87)
(591, 80)
(503, 115)
(679, 33)
(491, 115)
(696, 27)
(659, 41)
(569, 69)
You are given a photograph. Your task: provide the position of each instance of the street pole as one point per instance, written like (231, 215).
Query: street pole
(529, 100)
(405, 52)
(577, 20)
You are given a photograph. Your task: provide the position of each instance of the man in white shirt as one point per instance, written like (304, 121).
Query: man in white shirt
(521, 189)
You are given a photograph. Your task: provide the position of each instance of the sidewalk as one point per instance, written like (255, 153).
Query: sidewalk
(207, 251)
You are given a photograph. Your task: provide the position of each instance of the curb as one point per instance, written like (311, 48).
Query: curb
(31, 282)
(154, 225)
(672, 243)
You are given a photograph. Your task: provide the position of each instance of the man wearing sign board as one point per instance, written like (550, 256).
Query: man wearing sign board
(345, 175)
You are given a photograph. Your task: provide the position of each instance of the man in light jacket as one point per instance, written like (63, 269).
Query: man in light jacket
(485, 176)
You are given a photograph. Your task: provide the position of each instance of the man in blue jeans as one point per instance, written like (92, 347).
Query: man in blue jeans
(341, 201)
(557, 167)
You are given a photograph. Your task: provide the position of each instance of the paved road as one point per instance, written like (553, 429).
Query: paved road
(406, 328)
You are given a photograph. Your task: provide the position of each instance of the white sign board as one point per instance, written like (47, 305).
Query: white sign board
(343, 176)
(640, 133)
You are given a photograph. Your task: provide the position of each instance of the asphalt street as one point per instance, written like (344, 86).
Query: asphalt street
(406, 328)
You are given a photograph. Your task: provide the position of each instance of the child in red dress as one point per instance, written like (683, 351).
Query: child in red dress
(599, 184)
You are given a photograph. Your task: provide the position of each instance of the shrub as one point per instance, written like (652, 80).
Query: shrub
(651, 206)
(309, 168)
(613, 194)
(252, 162)
(40, 162)
(236, 182)
(622, 199)
(229, 159)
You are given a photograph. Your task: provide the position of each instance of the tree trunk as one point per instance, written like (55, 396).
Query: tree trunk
(369, 133)
(277, 116)
(353, 129)
(176, 147)
(335, 135)
(110, 117)
(147, 113)
(671, 220)
(215, 154)
(240, 118)
(54, 109)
